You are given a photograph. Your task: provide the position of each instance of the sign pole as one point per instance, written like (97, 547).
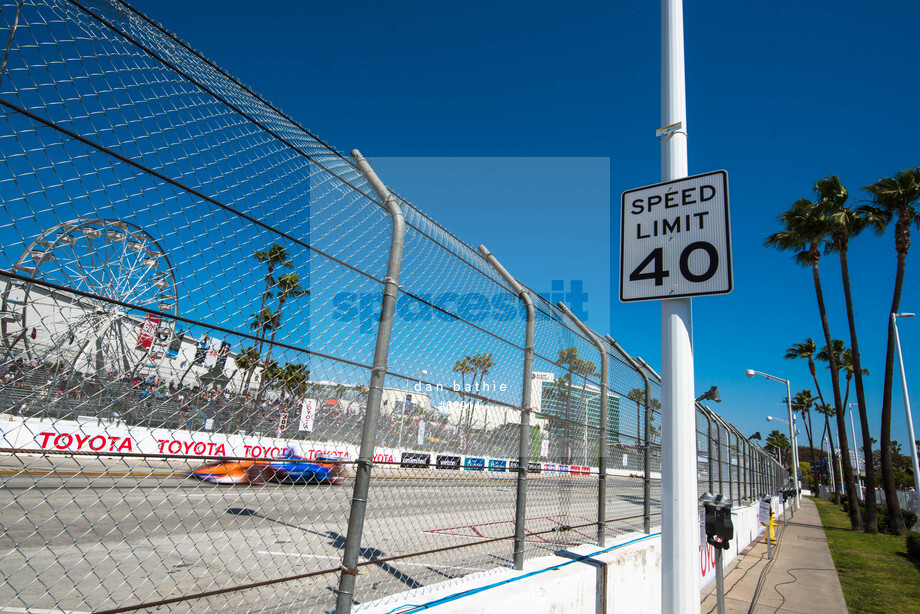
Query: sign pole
(680, 592)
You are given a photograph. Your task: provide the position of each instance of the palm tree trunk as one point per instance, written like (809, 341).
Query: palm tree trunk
(469, 414)
(268, 286)
(832, 459)
(855, 514)
(806, 420)
(871, 519)
(462, 401)
(895, 518)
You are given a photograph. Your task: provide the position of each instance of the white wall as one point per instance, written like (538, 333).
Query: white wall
(554, 584)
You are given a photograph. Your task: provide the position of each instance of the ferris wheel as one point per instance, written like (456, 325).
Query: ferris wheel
(75, 302)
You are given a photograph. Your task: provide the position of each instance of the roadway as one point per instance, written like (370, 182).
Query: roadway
(93, 534)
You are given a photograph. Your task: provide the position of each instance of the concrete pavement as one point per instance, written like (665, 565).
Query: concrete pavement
(801, 578)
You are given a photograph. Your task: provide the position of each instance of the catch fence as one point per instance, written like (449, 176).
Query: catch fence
(189, 277)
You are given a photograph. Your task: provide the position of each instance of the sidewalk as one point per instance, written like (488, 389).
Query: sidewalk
(801, 578)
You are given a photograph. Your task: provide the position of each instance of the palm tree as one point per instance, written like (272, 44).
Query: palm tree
(464, 367)
(295, 377)
(568, 358)
(585, 368)
(638, 395)
(845, 224)
(779, 441)
(806, 350)
(554, 394)
(271, 374)
(801, 403)
(894, 197)
(263, 322)
(806, 229)
(482, 364)
(828, 411)
(288, 287)
(272, 257)
(849, 371)
(247, 360)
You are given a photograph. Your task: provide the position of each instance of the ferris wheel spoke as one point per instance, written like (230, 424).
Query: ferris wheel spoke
(95, 287)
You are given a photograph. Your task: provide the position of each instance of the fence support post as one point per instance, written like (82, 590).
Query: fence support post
(520, 507)
(345, 593)
(648, 423)
(602, 446)
(647, 480)
(709, 448)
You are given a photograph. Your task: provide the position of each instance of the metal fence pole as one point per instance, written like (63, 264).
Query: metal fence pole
(345, 593)
(733, 465)
(647, 480)
(520, 507)
(744, 455)
(709, 447)
(602, 446)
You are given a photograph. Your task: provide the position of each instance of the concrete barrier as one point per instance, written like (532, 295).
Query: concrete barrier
(623, 577)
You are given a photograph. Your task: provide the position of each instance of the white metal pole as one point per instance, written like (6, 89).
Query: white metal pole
(795, 449)
(855, 451)
(910, 421)
(680, 582)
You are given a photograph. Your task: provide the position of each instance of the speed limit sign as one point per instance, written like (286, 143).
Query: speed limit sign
(675, 240)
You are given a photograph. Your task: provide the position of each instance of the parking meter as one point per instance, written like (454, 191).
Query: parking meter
(718, 520)
(724, 527)
(717, 513)
(709, 515)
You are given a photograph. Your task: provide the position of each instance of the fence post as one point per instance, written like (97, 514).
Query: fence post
(647, 480)
(364, 464)
(733, 467)
(520, 506)
(709, 448)
(602, 446)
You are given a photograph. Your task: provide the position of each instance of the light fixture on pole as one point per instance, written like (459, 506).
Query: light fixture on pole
(855, 450)
(795, 446)
(910, 421)
(710, 395)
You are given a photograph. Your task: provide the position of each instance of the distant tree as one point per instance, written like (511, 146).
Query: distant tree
(273, 257)
(288, 287)
(802, 402)
(482, 364)
(568, 358)
(779, 441)
(827, 410)
(638, 396)
(464, 367)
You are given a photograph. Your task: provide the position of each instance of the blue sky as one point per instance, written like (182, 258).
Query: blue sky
(450, 102)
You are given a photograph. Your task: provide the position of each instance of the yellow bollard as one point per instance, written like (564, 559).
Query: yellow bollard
(772, 531)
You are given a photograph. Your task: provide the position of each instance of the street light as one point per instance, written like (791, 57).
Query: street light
(855, 451)
(910, 421)
(795, 446)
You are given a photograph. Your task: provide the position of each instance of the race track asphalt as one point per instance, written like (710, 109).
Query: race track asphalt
(90, 534)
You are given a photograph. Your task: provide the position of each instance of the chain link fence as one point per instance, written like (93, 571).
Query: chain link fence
(191, 289)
